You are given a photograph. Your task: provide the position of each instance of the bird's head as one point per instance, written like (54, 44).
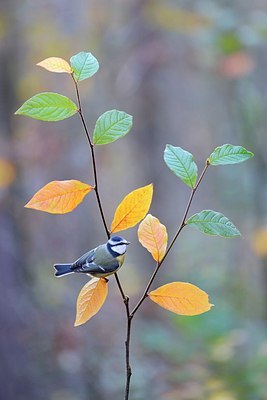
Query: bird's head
(117, 245)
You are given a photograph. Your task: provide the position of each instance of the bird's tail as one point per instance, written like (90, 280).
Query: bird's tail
(63, 269)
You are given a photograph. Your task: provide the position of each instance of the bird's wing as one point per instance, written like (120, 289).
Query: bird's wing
(99, 270)
(82, 263)
(88, 264)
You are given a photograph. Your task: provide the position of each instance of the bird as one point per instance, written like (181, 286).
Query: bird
(100, 262)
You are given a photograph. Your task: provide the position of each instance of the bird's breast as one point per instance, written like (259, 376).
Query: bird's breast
(120, 259)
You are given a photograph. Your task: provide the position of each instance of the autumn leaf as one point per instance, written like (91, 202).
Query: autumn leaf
(132, 209)
(59, 197)
(153, 236)
(181, 298)
(55, 64)
(90, 300)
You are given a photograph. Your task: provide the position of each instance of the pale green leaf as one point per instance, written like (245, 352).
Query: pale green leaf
(48, 107)
(111, 126)
(229, 154)
(213, 223)
(181, 163)
(84, 65)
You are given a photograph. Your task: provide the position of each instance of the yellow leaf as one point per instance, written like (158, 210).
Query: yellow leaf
(59, 197)
(90, 300)
(132, 209)
(7, 173)
(181, 298)
(55, 64)
(153, 236)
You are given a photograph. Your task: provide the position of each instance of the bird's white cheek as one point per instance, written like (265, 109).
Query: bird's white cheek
(120, 249)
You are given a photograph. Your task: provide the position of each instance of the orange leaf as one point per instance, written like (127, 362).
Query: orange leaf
(59, 197)
(55, 64)
(181, 298)
(90, 300)
(132, 209)
(153, 236)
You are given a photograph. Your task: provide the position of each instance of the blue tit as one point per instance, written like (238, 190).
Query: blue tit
(102, 261)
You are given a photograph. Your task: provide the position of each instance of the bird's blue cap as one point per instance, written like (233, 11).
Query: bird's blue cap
(115, 240)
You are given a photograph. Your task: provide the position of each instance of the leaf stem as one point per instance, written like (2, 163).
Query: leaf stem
(181, 226)
(99, 202)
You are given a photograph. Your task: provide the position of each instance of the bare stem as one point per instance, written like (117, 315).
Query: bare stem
(99, 202)
(182, 225)
(127, 351)
(128, 338)
(93, 159)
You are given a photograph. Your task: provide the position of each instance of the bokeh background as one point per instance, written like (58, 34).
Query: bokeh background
(193, 74)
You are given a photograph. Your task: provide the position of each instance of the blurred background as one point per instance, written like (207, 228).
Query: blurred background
(193, 74)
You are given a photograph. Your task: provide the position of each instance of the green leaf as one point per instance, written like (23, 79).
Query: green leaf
(213, 223)
(111, 126)
(48, 107)
(229, 154)
(181, 163)
(84, 65)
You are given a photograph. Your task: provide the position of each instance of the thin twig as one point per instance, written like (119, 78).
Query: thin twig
(127, 352)
(93, 158)
(123, 295)
(182, 225)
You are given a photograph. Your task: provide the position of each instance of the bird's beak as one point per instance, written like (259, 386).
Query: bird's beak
(128, 243)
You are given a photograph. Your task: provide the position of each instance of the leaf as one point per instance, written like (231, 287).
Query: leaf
(55, 64)
(181, 163)
(229, 154)
(111, 126)
(132, 209)
(181, 298)
(213, 223)
(90, 300)
(7, 173)
(153, 236)
(59, 197)
(48, 106)
(84, 65)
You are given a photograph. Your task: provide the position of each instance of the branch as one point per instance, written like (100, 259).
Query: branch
(123, 295)
(182, 225)
(93, 158)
